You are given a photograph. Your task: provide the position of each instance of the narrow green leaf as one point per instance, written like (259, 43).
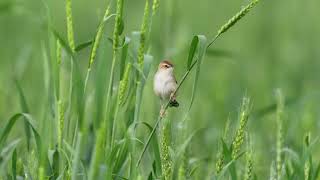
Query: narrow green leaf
(83, 45)
(4, 154)
(55, 163)
(25, 109)
(185, 144)
(317, 171)
(64, 44)
(201, 49)
(227, 166)
(192, 50)
(11, 123)
(14, 164)
(155, 148)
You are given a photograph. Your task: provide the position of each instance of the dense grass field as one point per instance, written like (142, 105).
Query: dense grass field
(77, 100)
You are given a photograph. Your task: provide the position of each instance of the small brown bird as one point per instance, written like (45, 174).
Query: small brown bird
(165, 84)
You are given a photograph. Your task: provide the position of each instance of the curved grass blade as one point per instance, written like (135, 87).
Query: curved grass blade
(229, 165)
(27, 118)
(25, 109)
(192, 50)
(185, 144)
(83, 45)
(63, 43)
(156, 150)
(4, 155)
(201, 49)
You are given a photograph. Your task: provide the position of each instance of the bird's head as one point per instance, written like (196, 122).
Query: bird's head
(165, 66)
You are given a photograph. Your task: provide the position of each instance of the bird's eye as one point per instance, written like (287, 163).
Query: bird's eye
(167, 66)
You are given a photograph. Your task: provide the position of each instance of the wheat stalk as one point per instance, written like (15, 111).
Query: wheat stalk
(279, 114)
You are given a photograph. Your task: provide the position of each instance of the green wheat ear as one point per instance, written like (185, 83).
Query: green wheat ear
(249, 160)
(249, 166)
(124, 84)
(155, 6)
(239, 138)
(143, 31)
(60, 122)
(166, 162)
(70, 25)
(237, 17)
(98, 38)
(234, 20)
(117, 27)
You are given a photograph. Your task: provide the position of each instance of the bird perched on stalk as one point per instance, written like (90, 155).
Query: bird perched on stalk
(165, 85)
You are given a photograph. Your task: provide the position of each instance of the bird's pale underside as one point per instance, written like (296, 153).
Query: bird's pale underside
(165, 84)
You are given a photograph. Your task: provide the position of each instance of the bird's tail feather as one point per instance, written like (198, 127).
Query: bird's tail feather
(173, 103)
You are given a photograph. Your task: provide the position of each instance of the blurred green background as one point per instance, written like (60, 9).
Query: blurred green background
(275, 46)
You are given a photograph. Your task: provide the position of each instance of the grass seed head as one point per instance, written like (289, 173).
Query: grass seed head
(124, 84)
(98, 38)
(240, 133)
(70, 25)
(117, 27)
(166, 163)
(143, 31)
(237, 17)
(155, 6)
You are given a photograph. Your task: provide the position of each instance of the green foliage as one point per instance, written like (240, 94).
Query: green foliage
(89, 112)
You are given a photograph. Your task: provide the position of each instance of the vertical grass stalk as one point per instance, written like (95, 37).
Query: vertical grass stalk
(279, 119)
(116, 38)
(123, 85)
(60, 108)
(103, 132)
(141, 51)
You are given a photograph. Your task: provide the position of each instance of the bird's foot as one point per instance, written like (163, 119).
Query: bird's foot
(172, 96)
(162, 112)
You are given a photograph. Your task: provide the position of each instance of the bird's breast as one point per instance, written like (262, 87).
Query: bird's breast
(164, 85)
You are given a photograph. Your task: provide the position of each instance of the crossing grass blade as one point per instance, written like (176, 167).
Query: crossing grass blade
(83, 45)
(55, 163)
(12, 121)
(25, 109)
(64, 44)
(4, 156)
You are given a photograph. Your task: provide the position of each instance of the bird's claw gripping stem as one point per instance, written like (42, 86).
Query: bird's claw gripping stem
(162, 112)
